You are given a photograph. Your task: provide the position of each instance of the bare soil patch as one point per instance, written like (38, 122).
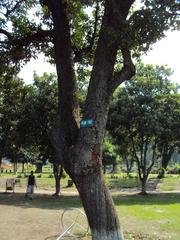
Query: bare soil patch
(25, 219)
(20, 220)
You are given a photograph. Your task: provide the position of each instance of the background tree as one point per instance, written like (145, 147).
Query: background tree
(115, 29)
(37, 116)
(12, 94)
(169, 138)
(139, 119)
(109, 156)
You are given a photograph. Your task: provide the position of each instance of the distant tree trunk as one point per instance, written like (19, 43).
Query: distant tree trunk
(104, 168)
(23, 167)
(128, 163)
(39, 166)
(114, 167)
(142, 163)
(58, 170)
(15, 167)
(143, 185)
(166, 157)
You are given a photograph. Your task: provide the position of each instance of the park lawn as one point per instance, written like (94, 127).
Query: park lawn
(121, 180)
(157, 215)
(170, 183)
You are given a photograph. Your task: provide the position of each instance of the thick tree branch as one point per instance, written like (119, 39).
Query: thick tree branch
(6, 33)
(64, 133)
(126, 72)
(39, 36)
(124, 6)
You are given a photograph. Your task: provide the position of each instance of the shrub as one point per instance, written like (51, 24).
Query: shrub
(19, 176)
(113, 176)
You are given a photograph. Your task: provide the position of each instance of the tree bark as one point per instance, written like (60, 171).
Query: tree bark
(143, 185)
(98, 204)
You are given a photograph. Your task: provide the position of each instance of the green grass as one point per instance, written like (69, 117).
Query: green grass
(157, 214)
(118, 181)
(170, 183)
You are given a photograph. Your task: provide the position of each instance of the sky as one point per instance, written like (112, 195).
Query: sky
(164, 52)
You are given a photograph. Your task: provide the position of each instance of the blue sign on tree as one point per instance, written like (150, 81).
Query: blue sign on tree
(86, 123)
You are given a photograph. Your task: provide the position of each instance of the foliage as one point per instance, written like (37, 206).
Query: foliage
(12, 94)
(139, 120)
(37, 116)
(27, 114)
(169, 143)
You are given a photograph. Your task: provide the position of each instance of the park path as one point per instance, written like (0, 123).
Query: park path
(28, 223)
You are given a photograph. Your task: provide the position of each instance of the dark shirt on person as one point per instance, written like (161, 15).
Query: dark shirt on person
(31, 180)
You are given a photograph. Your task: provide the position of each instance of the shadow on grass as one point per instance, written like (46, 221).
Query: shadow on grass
(150, 199)
(46, 201)
(43, 201)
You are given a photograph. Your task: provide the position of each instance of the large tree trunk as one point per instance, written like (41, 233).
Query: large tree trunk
(98, 205)
(79, 149)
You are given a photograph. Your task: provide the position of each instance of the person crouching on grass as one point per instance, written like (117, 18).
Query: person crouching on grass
(31, 183)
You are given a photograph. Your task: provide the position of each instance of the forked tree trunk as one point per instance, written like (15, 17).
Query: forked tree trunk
(79, 149)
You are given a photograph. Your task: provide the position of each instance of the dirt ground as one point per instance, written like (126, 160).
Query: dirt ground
(25, 219)
(25, 222)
